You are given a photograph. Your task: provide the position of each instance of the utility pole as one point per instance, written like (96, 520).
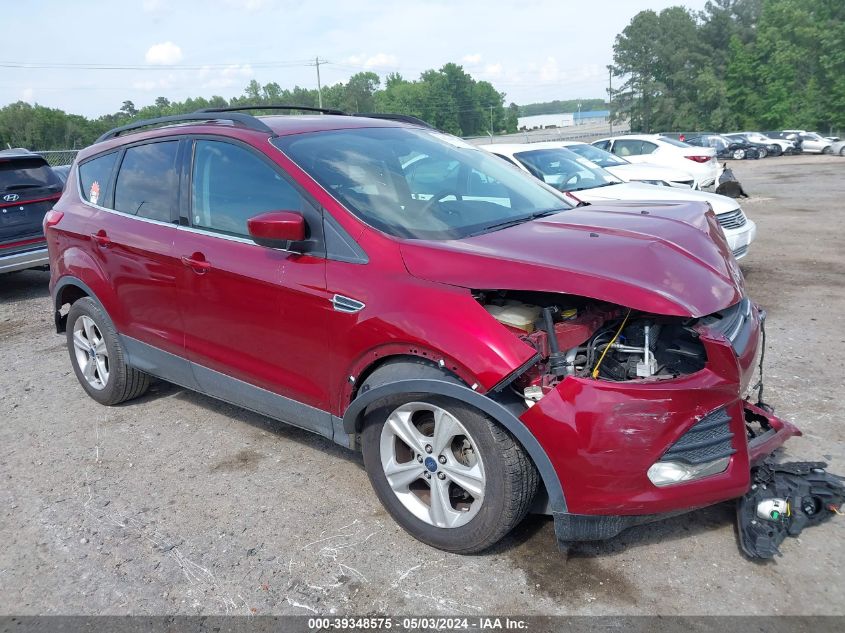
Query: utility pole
(491, 124)
(317, 62)
(610, 95)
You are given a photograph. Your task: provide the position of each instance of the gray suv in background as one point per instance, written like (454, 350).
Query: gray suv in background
(28, 189)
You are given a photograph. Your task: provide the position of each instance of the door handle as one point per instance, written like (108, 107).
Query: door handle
(199, 266)
(101, 239)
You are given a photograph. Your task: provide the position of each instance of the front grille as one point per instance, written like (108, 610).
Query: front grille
(709, 439)
(739, 252)
(732, 220)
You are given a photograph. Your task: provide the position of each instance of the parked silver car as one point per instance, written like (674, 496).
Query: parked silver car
(811, 143)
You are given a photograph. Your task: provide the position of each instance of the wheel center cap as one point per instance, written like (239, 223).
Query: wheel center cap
(431, 464)
(92, 353)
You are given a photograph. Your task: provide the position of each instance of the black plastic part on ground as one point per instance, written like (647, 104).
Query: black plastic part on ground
(811, 496)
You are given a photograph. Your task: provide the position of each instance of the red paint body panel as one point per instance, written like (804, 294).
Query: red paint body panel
(652, 264)
(257, 314)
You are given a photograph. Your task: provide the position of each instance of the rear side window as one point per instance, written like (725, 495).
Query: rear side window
(95, 177)
(148, 182)
(230, 184)
(19, 174)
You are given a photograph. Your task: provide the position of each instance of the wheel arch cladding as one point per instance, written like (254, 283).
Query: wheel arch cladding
(69, 290)
(353, 419)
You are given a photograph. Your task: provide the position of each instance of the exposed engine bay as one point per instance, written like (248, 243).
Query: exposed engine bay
(581, 337)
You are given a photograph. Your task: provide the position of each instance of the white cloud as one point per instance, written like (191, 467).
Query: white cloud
(160, 84)
(471, 59)
(493, 70)
(549, 71)
(151, 6)
(146, 85)
(249, 5)
(164, 54)
(381, 60)
(226, 77)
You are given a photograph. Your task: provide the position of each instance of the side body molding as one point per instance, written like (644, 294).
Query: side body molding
(354, 415)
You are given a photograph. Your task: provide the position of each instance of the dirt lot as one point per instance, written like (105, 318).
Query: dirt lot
(176, 503)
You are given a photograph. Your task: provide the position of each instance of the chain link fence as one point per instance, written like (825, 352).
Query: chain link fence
(56, 157)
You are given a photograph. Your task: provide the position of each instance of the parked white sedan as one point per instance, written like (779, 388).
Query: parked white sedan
(701, 162)
(648, 173)
(584, 181)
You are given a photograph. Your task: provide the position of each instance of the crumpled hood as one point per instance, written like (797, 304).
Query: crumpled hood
(668, 258)
(640, 191)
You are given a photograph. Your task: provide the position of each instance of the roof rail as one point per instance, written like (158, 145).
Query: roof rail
(274, 107)
(404, 118)
(246, 120)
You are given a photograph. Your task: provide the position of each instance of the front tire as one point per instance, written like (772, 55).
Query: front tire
(739, 154)
(448, 474)
(98, 358)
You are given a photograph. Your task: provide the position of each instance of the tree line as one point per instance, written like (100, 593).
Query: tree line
(448, 98)
(567, 105)
(738, 64)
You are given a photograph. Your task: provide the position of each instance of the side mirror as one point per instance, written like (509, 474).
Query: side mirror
(277, 229)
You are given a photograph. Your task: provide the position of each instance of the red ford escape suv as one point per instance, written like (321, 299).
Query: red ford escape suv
(491, 349)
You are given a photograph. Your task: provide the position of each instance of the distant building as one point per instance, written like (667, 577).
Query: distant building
(563, 119)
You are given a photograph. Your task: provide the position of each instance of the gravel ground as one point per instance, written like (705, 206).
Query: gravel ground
(178, 504)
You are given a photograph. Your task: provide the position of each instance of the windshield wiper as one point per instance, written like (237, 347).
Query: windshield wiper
(514, 221)
(607, 184)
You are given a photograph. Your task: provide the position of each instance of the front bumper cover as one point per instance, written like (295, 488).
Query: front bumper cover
(570, 527)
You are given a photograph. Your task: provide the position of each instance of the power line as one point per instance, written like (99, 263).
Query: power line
(70, 66)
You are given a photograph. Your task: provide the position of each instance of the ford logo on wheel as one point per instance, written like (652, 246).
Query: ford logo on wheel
(11, 197)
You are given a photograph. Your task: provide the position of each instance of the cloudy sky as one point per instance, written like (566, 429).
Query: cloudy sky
(88, 56)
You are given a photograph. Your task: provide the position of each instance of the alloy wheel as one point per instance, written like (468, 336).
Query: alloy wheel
(91, 352)
(432, 464)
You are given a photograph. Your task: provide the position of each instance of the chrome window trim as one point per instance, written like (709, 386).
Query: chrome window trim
(222, 236)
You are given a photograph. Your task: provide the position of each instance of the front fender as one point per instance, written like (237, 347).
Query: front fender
(354, 416)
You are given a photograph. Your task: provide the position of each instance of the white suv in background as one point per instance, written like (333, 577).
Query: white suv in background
(701, 162)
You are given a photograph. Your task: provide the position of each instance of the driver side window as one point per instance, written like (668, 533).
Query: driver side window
(230, 184)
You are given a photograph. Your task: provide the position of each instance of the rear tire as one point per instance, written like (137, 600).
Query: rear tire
(98, 358)
(739, 154)
(762, 152)
(827, 150)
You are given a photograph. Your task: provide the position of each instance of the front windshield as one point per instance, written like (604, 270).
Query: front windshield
(596, 155)
(419, 184)
(565, 170)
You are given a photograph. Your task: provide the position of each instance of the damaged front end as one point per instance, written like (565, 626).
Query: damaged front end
(641, 414)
